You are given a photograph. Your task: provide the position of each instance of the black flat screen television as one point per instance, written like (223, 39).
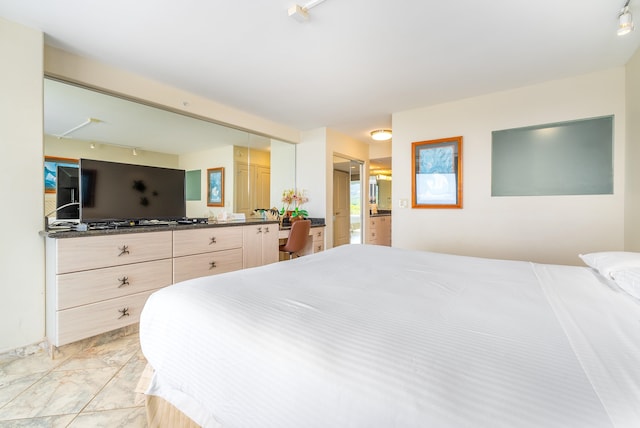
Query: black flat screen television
(67, 192)
(113, 191)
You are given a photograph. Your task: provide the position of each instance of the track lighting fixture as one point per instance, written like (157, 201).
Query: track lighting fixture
(75, 128)
(301, 13)
(625, 20)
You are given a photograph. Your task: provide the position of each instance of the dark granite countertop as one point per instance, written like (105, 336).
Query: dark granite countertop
(171, 226)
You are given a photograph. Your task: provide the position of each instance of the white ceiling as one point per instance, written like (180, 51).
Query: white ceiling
(352, 65)
(129, 124)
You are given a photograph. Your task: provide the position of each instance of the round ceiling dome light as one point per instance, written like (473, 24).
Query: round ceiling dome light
(381, 134)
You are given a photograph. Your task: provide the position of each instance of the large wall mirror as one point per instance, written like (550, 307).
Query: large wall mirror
(84, 123)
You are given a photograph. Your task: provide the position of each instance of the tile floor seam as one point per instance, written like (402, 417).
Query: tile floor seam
(100, 390)
(24, 390)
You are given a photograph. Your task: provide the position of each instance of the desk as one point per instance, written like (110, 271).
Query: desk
(315, 243)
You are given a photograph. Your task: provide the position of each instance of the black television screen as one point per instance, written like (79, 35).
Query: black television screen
(113, 191)
(67, 192)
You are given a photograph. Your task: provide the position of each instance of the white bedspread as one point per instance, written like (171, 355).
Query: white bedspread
(370, 336)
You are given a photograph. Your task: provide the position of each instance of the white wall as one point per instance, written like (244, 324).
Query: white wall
(203, 160)
(64, 65)
(552, 229)
(311, 174)
(21, 187)
(77, 149)
(632, 192)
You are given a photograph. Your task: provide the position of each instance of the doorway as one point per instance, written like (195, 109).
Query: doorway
(347, 201)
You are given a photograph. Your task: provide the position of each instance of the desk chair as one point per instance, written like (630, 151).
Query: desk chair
(297, 237)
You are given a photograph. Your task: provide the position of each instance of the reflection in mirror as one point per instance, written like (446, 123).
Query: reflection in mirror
(84, 123)
(380, 185)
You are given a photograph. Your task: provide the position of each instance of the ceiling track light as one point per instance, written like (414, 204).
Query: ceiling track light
(82, 125)
(301, 13)
(625, 20)
(381, 134)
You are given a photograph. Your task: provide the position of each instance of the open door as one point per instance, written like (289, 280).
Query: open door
(347, 201)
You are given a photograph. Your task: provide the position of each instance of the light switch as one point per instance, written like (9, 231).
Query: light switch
(403, 203)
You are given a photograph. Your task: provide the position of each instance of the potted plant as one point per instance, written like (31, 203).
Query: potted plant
(294, 198)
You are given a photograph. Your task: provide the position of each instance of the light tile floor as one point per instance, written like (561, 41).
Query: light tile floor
(84, 386)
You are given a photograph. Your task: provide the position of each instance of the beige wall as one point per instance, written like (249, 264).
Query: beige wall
(66, 66)
(552, 229)
(632, 192)
(21, 187)
(203, 160)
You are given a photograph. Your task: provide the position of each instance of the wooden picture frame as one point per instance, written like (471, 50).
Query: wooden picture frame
(215, 187)
(51, 171)
(436, 173)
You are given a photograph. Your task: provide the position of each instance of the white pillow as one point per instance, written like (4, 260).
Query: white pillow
(628, 280)
(607, 262)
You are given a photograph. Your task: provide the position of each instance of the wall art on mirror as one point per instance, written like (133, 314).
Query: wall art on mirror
(436, 172)
(215, 187)
(51, 164)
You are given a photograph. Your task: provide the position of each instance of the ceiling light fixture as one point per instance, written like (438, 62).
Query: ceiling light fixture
(625, 20)
(381, 134)
(301, 13)
(82, 125)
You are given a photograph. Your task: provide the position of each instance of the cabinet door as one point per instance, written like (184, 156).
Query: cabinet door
(263, 187)
(270, 244)
(251, 246)
(260, 245)
(242, 199)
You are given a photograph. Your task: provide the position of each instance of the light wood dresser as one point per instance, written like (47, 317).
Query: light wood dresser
(98, 282)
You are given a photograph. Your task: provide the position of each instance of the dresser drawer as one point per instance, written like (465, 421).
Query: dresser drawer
(213, 263)
(81, 288)
(89, 320)
(77, 254)
(318, 234)
(197, 241)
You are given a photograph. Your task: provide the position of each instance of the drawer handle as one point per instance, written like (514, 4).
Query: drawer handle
(259, 230)
(123, 281)
(319, 247)
(319, 234)
(212, 240)
(212, 265)
(123, 250)
(124, 312)
(266, 229)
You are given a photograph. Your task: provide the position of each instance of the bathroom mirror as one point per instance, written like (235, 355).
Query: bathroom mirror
(84, 123)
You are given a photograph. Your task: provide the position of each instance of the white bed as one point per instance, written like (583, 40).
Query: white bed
(370, 336)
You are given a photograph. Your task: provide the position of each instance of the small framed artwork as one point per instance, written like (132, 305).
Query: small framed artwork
(215, 187)
(436, 172)
(51, 164)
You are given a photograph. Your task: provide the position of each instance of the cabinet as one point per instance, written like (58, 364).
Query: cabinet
(100, 283)
(314, 244)
(252, 187)
(260, 244)
(207, 251)
(379, 230)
